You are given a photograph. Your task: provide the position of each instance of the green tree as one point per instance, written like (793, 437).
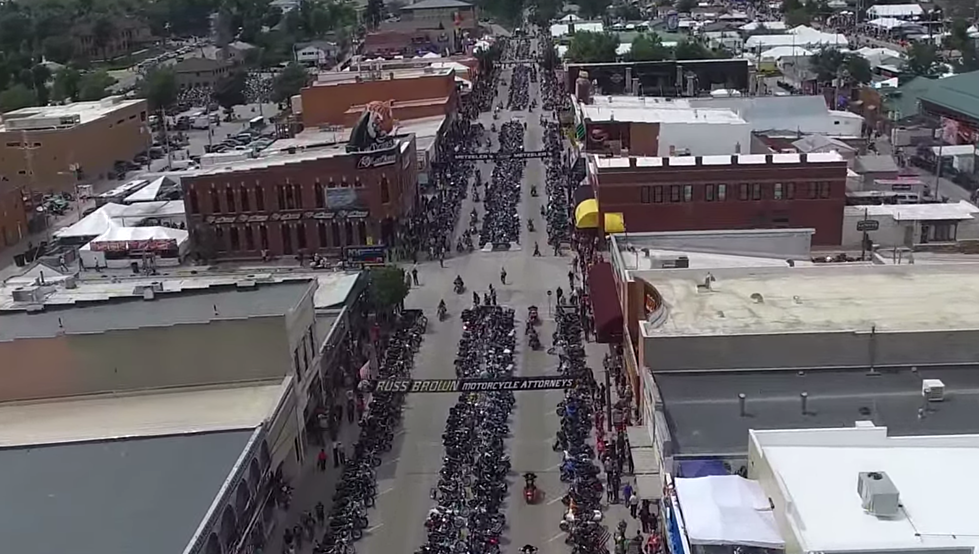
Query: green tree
(94, 85)
(230, 91)
(830, 63)
(104, 32)
(67, 84)
(16, 97)
(922, 60)
(689, 49)
(593, 9)
(58, 49)
(648, 47)
(289, 82)
(40, 75)
(543, 12)
(627, 12)
(388, 287)
(960, 40)
(159, 88)
(374, 13)
(794, 18)
(589, 47)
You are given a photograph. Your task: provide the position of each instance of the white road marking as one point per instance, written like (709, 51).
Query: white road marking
(555, 501)
(556, 537)
(378, 526)
(385, 491)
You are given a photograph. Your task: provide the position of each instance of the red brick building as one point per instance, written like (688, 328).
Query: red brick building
(752, 191)
(314, 200)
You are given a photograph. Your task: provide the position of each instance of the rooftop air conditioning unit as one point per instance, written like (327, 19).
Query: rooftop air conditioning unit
(878, 495)
(933, 390)
(29, 295)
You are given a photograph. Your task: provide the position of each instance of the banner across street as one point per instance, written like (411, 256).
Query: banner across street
(473, 385)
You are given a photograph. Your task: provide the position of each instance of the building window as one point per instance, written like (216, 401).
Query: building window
(295, 362)
(246, 204)
(385, 190)
(721, 192)
(644, 195)
(674, 193)
(658, 194)
(142, 116)
(290, 197)
(280, 196)
(332, 184)
(263, 235)
(229, 196)
(777, 191)
(709, 193)
(299, 197)
(362, 231)
(790, 191)
(348, 232)
(249, 238)
(321, 234)
(812, 191)
(358, 184)
(195, 205)
(215, 202)
(743, 191)
(301, 235)
(219, 239)
(688, 193)
(320, 195)
(235, 240)
(335, 234)
(824, 190)
(260, 199)
(286, 230)
(756, 191)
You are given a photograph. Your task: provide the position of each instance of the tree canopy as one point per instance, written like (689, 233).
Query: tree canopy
(230, 90)
(591, 47)
(830, 63)
(923, 60)
(648, 47)
(388, 287)
(160, 88)
(593, 9)
(289, 82)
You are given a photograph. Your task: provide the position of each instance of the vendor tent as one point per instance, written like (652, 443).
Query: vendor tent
(727, 510)
(94, 224)
(150, 192)
(895, 10)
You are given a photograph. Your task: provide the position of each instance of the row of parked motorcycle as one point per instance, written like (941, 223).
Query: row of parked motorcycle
(472, 487)
(356, 489)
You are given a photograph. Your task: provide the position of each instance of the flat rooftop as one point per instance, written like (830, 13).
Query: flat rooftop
(818, 471)
(111, 417)
(146, 495)
(87, 111)
(660, 115)
(826, 297)
(958, 211)
(333, 78)
(703, 413)
(422, 128)
(659, 259)
(166, 309)
(600, 162)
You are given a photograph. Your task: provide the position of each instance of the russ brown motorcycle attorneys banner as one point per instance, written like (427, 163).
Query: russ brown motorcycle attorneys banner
(473, 385)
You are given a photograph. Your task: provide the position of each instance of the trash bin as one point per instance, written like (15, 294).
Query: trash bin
(20, 260)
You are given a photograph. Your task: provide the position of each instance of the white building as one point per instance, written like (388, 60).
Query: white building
(918, 498)
(316, 53)
(911, 225)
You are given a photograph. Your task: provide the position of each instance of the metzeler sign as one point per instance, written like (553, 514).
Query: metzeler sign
(473, 385)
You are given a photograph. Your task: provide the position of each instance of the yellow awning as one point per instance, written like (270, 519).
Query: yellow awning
(614, 223)
(586, 214)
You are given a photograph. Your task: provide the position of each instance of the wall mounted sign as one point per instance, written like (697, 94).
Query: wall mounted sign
(371, 161)
(150, 245)
(288, 216)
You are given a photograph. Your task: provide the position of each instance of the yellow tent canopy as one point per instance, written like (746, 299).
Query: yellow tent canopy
(586, 214)
(586, 217)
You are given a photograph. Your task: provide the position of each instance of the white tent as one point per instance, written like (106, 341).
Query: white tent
(431, 56)
(887, 23)
(895, 10)
(127, 234)
(780, 52)
(570, 18)
(149, 192)
(727, 510)
(769, 25)
(94, 224)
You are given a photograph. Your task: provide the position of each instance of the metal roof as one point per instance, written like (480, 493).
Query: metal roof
(704, 417)
(959, 94)
(165, 309)
(436, 4)
(113, 497)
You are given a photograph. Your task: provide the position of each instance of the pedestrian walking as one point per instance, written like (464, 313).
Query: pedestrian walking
(321, 460)
(338, 454)
(634, 506)
(503, 276)
(610, 489)
(627, 493)
(644, 515)
(320, 513)
(414, 275)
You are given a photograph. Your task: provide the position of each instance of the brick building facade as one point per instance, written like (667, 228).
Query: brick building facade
(724, 192)
(320, 200)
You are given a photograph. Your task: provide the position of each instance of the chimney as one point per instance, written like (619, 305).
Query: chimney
(698, 160)
(391, 75)
(803, 158)
(735, 159)
(741, 402)
(805, 402)
(769, 158)
(666, 161)
(632, 162)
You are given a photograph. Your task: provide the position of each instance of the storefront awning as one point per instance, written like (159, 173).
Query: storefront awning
(614, 223)
(586, 214)
(605, 304)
